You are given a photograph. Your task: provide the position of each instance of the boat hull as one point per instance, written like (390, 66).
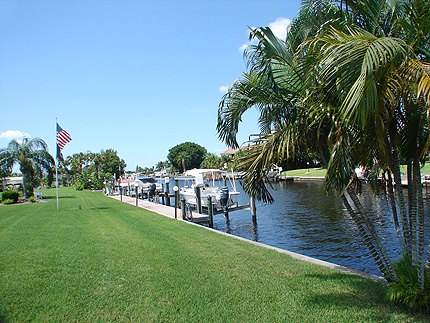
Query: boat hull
(190, 197)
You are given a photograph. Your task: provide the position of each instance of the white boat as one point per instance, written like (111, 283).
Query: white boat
(204, 179)
(145, 183)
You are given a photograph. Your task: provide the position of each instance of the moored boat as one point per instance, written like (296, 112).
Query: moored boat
(204, 180)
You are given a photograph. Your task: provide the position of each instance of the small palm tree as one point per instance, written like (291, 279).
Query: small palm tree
(31, 155)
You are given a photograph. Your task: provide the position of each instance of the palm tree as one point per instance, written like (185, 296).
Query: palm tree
(31, 155)
(98, 158)
(351, 78)
(385, 95)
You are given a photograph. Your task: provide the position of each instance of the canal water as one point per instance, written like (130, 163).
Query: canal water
(307, 220)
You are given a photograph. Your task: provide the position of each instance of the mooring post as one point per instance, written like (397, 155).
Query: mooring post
(210, 212)
(177, 194)
(176, 189)
(253, 208)
(166, 194)
(198, 199)
(183, 209)
(167, 198)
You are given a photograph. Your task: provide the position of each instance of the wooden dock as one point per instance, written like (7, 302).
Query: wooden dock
(169, 211)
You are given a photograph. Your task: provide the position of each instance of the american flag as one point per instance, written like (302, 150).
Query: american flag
(63, 138)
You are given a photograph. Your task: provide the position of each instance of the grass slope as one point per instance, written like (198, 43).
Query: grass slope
(114, 262)
(321, 172)
(311, 172)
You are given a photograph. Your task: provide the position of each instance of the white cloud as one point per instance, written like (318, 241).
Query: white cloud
(13, 134)
(279, 28)
(223, 88)
(243, 47)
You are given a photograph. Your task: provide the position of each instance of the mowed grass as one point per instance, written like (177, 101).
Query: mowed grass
(110, 261)
(321, 172)
(305, 172)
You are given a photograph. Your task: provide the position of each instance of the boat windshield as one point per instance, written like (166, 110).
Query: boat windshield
(147, 180)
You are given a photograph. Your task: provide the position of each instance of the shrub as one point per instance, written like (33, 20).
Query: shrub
(8, 201)
(407, 291)
(10, 195)
(32, 199)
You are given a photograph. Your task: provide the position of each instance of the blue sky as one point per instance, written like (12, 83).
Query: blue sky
(136, 76)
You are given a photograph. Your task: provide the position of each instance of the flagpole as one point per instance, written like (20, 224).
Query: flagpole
(56, 164)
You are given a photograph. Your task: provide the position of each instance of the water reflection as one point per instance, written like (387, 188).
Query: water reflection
(306, 220)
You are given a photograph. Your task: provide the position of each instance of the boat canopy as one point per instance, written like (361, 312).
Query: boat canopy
(201, 171)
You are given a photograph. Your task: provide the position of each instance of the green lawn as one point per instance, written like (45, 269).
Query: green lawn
(320, 172)
(311, 172)
(114, 262)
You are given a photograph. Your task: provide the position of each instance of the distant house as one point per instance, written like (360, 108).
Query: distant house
(12, 181)
(231, 152)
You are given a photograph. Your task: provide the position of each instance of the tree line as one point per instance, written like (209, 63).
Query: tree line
(88, 170)
(84, 170)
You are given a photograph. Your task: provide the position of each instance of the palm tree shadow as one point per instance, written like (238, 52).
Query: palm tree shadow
(60, 197)
(359, 293)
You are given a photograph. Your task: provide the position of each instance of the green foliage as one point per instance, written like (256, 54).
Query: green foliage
(111, 163)
(8, 201)
(211, 161)
(50, 177)
(162, 165)
(82, 167)
(187, 155)
(32, 157)
(32, 199)
(10, 195)
(88, 180)
(236, 162)
(407, 290)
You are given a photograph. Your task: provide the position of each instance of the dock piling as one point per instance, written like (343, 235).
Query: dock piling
(210, 212)
(199, 199)
(183, 209)
(166, 194)
(253, 208)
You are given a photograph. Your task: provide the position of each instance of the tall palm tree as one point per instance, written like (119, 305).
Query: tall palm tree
(350, 77)
(31, 155)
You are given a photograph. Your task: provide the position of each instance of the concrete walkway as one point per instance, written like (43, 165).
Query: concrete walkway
(154, 207)
(170, 212)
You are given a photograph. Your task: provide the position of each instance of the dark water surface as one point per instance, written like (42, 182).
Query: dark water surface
(306, 220)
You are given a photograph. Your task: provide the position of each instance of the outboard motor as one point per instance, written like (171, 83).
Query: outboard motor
(151, 191)
(223, 199)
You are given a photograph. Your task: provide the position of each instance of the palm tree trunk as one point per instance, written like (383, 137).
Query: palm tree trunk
(420, 206)
(394, 209)
(373, 233)
(395, 169)
(412, 206)
(363, 234)
(24, 182)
